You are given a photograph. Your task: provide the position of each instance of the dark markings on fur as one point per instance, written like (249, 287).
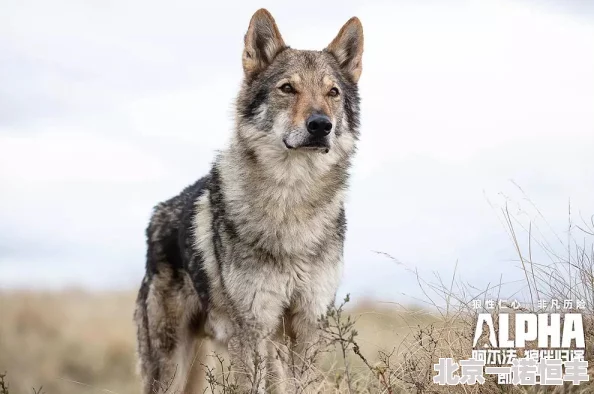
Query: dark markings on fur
(351, 108)
(215, 200)
(171, 235)
(193, 258)
(220, 223)
(255, 102)
(341, 225)
(172, 252)
(350, 95)
(251, 156)
(170, 256)
(248, 152)
(257, 90)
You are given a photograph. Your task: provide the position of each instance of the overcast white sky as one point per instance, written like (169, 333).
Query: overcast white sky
(109, 107)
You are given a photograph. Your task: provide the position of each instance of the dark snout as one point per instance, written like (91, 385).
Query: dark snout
(317, 138)
(319, 125)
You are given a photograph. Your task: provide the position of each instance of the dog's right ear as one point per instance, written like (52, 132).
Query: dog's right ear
(263, 42)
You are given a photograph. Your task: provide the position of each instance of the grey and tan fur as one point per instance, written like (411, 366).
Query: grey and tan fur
(255, 248)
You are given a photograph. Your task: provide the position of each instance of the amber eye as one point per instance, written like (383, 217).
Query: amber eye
(287, 88)
(333, 92)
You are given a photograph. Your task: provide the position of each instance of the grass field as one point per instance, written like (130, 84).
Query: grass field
(75, 342)
(56, 339)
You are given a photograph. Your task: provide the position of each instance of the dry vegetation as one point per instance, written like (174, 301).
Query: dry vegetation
(51, 339)
(75, 342)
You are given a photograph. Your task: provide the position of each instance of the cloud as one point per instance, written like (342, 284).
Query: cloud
(106, 110)
(57, 155)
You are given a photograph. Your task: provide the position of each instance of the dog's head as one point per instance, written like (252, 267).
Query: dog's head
(299, 101)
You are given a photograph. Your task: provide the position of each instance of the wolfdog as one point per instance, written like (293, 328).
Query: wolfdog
(256, 247)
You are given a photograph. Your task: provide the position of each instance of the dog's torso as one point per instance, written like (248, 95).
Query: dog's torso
(252, 249)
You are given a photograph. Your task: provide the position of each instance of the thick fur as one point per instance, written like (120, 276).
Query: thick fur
(256, 246)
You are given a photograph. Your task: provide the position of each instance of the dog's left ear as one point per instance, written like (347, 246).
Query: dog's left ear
(347, 48)
(263, 42)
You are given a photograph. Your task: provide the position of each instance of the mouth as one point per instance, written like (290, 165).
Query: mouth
(318, 145)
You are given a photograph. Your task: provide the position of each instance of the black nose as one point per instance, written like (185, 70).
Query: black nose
(319, 125)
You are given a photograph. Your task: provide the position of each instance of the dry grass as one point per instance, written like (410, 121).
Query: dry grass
(75, 342)
(56, 339)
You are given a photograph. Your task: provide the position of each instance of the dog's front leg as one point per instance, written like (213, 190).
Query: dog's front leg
(304, 351)
(248, 352)
(308, 305)
(258, 304)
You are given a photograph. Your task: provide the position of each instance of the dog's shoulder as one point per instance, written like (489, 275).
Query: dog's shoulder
(170, 230)
(172, 214)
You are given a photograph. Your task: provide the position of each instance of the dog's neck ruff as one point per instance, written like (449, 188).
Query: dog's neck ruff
(275, 168)
(284, 205)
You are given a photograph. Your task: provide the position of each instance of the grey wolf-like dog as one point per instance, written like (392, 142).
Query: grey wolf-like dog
(254, 249)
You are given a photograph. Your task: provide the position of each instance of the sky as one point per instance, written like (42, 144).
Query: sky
(107, 108)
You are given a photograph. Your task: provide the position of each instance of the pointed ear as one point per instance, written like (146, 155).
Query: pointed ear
(263, 42)
(347, 48)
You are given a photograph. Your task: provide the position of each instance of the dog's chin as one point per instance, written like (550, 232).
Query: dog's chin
(320, 145)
